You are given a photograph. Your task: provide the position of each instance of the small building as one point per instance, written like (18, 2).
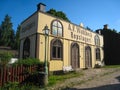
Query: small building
(67, 44)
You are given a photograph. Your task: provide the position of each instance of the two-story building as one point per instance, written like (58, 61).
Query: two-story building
(67, 44)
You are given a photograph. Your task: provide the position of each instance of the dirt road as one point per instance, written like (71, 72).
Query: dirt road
(109, 80)
(92, 79)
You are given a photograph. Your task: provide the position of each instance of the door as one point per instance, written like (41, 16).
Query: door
(88, 61)
(75, 56)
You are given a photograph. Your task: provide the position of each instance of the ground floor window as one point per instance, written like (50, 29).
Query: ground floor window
(26, 48)
(97, 54)
(56, 49)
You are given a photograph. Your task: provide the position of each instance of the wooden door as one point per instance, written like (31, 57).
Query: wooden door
(75, 56)
(88, 61)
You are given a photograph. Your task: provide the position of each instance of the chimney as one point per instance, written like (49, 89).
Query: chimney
(41, 7)
(105, 26)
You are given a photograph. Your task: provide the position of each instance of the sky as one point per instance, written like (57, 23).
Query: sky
(92, 13)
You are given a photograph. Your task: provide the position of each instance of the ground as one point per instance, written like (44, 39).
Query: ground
(93, 79)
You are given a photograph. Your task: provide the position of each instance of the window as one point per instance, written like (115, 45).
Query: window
(98, 54)
(57, 28)
(56, 49)
(97, 40)
(26, 48)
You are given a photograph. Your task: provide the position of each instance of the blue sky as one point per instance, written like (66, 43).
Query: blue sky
(92, 13)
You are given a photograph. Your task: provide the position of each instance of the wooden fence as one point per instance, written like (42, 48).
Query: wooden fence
(17, 73)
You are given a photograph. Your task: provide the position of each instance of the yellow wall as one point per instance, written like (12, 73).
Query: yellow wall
(41, 19)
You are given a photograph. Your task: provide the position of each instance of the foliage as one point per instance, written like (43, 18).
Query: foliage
(53, 79)
(16, 86)
(17, 38)
(59, 14)
(11, 86)
(5, 57)
(111, 66)
(114, 30)
(28, 61)
(7, 32)
(89, 28)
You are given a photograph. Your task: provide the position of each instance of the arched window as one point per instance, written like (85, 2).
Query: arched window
(97, 54)
(97, 40)
(56, 49)
(26, 48)
(57, 28)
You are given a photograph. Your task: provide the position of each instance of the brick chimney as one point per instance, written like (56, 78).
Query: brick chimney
(41, 7)
(105, 26)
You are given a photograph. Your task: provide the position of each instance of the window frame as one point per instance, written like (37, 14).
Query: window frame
(57, 47)
(57, 27)
(26, 48)
(97, 40)
(97, 53)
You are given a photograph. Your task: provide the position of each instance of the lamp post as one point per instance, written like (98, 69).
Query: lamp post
(46, 34)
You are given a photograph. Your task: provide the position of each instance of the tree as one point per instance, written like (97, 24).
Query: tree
(114, 30)
(59, 14)
(7, 32)
(89, 28)
(0, 35)
(5, 58)
(17, 37)
(52, 11)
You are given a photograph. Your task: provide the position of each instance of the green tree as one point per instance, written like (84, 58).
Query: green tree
(89, 28)
(59, 14)
(17, 37)
(7, 32)
(5, 58)
(0, 35)
(114, 30)
(52, 11)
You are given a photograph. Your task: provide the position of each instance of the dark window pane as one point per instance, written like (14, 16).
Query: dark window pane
(59, 52)
(98, 54)
(26, 48)
(54, 52)
(56, 49)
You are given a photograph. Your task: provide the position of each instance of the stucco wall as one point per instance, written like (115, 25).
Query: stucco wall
(71, 33)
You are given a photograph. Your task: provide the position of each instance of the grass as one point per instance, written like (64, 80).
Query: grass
(111, 66)
(53, 79)
(24, 87)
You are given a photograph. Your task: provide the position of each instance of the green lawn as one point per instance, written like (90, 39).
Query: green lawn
(53, 79)
(112, 66)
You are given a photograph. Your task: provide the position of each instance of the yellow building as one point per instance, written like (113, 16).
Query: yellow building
(67, 45)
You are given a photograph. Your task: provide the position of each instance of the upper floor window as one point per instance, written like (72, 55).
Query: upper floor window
(57, 28)
(97, 40)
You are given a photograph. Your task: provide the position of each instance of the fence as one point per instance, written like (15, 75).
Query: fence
(17, 73)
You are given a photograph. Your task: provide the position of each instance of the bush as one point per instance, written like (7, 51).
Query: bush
(28, 61)
(5, 57)
(16, 86)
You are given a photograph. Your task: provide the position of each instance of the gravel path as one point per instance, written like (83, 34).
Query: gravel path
(93, 79)
(109, 80)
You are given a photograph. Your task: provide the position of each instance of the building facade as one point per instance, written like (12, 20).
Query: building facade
(68, 44)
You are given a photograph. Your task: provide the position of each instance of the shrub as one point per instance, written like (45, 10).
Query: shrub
(28, 61)
(5, 57)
